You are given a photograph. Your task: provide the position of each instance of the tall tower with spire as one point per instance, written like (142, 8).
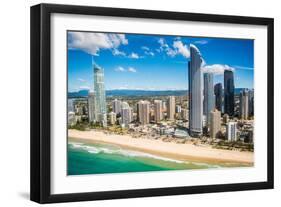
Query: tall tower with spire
(100, 99)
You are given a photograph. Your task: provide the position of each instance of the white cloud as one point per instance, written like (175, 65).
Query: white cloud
(131, 69)
(243, 67)
(170, 52)
(216, 68)
(84, 87)
(92, 43)
(134, 55)
(181, 49)
(145, 48)
(178, 48)
(81, 80)
(120, 69)
(115, 52)
(149, 53)
(201, 42)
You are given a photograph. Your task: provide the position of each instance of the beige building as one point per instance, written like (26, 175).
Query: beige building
(215, 123)
(112, 118)
(158, 111)
(171, 107)
(143, 112)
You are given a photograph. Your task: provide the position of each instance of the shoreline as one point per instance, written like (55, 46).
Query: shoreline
(182, 152)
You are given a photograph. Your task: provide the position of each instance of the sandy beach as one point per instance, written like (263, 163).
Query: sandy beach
(188, 152)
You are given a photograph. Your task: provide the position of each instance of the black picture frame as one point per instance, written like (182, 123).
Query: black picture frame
(41, 99)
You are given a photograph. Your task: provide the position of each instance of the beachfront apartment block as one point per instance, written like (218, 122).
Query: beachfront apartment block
(158, 114)
(143, 108)
(171, 107)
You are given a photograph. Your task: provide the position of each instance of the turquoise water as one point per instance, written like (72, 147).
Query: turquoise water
(85, 158)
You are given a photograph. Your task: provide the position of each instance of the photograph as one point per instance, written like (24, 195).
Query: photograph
(151, 102)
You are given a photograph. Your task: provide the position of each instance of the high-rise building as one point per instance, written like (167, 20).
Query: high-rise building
(71, 118)
(112, 118)
(251, 102)
(228, 92)
(158, 111)
(70, 105)
(178, 108)
(244, 104)
(219, 94)
(231, 131)
(184, 114)
(164, 106)
(215, 124)
(195, 83)
(171, 107)
(116, 106)
(126, 114)
(209, 97)
(91, 107)
(225, 118)
(143, 112)
(100, 100)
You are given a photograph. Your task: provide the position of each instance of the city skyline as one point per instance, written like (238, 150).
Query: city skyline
(164, 123)
(145, 62)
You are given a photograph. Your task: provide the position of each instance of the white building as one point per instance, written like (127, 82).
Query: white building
(231, 131)
(71, 118)
(116, 106)
(126, 114)
(178, 109)
(100, 99)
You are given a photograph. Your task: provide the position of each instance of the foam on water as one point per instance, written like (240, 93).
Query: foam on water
(129, 153)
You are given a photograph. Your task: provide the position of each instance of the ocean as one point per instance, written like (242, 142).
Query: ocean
(99, 158)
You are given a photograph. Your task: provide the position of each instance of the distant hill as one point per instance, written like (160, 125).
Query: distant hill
(112, 93)
(84, 93)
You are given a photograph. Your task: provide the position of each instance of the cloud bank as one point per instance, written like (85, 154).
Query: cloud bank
(216, 68)
(92, 43)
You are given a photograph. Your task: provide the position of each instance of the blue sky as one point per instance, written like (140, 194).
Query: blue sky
(153, 62)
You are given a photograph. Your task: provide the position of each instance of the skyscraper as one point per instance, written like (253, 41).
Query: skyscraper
(171, 107)
(251, 102)
(184, 114)
(209, 97)
(218, 94)
(70, 105)
(215, 123)
(126, 114)
(178, 108)
(100, 102)
(231, 131)
(143, 112)
(91, 107)
(195, 83)
(158, 110)
(244, 104)
(116, 106)
(228, 92)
